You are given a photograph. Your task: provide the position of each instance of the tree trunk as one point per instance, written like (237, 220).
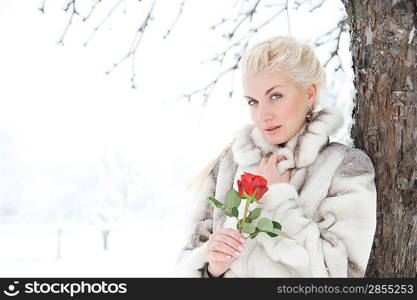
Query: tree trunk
(384, 50)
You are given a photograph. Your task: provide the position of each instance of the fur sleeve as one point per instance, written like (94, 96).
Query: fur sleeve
(337, 240)
(192, 257)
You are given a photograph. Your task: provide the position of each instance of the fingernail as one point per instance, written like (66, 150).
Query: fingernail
(237, 253)
(240, 248)
(228, 257)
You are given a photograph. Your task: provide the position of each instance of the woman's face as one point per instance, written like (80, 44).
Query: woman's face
(278, 107)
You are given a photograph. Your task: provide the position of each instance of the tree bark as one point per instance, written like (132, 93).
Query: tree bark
(384, 50)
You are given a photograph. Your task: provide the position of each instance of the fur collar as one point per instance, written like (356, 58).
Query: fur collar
(301, 150)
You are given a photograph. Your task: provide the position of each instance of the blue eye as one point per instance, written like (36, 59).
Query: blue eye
(252, 101)
(276, 96)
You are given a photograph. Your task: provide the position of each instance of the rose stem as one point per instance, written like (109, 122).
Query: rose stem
(248, 202)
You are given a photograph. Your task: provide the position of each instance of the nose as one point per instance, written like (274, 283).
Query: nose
(265, 113)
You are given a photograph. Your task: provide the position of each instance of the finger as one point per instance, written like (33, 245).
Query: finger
(276, 159)
(230, 242)
(281, 157)
(219, 257)
(226, 249)
(273, 159)
(288, 172)
(234, 234)
(262, 164)
(210, 239)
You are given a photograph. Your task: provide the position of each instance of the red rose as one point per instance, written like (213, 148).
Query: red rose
(249, 183)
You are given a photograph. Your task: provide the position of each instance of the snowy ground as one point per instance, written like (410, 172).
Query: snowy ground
(32, 251)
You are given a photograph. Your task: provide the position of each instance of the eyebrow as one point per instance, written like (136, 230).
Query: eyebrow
(268, 90)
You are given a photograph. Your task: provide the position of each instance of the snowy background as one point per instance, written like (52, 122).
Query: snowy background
(84, 156)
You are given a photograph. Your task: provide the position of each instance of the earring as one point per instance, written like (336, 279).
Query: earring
(309, 115)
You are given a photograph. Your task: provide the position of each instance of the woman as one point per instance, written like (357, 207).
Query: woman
(323, 193)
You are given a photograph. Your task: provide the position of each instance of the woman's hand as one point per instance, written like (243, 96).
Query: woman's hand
(267, 168)
(228, 244)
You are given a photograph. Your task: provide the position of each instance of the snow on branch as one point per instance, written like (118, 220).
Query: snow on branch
(237, 46)
(333, 36)
(140, 31)
(71, 12)
(181, 9)
(246, 19)
(70, 8)
(107, 17)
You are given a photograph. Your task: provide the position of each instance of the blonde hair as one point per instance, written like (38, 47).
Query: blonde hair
(285, 54)
(201, 177)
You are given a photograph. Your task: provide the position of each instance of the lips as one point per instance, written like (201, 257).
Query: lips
(271, 128)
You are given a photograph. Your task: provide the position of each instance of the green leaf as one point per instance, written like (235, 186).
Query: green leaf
(235, 212)
(239, 224)
(255, 213)
(228, 212)
(265, 224)
(282, 233)
(232, 199)
(249, 228)
(216, 203)
(277, 232)
(253, 235)
(276, 225)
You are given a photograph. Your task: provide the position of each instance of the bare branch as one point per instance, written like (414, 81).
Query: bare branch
(246, 16)
(93, 7)
(242, 4)
(335, 53)
(243, 42)
(221, 22)
(288, 17)
(97, 28)
(72, 12)
(231, 34)
(69, 4)
(176, 19)
(42, 6)
(125, 8)
(134, 45)
(207, 90)
(316, 6)
(241, 30)
(297, 4)
(219, 57)
(232, 84)
(240, 45)
(327, 38)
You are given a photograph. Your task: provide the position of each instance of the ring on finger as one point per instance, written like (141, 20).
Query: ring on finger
(212, 246)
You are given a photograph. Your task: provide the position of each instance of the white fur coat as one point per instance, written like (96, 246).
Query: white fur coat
(328, 207)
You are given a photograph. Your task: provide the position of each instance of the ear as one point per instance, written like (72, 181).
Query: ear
(311, 94)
